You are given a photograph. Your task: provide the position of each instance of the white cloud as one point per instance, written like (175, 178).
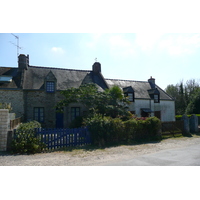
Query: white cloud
(95, 39)
(118, 41)
(58, 50)
(178, 44)
(174, 44)
(147, 41)
(119, 45)
(115, 44)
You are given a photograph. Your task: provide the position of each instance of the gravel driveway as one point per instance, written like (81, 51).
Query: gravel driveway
(82, 157)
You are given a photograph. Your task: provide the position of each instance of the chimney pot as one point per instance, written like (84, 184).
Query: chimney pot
(152, 82)
(23, 62)
(96, 67)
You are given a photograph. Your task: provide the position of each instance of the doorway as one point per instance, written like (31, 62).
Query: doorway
(59, 120)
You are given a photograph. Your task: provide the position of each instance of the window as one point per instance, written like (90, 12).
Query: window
(130, 96)
(75, 112)
(39, 114)
(50, 86)
(156, 98)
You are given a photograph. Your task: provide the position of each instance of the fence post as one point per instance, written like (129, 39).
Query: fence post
(4, 126)
(193, 124)
(186, 124)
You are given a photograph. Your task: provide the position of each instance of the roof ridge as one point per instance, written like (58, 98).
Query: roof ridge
(7, 67)
(59, 68)
(165, 92)
(125, 80)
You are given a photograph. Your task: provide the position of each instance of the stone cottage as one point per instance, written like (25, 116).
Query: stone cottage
(34, 91)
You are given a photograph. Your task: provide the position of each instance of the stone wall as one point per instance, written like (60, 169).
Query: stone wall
(15, 97)
(41, 99)
(4, 127)
(47, 101)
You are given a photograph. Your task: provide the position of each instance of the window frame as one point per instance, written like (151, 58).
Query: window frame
(130, 96)
(38, 114)
(157, 99)
(50, 88)
(76, 113)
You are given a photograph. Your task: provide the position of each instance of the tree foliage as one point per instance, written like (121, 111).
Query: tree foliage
(110, 102)
(194, 105)
(183, 94)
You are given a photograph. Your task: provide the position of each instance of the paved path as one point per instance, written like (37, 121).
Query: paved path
(187, 156)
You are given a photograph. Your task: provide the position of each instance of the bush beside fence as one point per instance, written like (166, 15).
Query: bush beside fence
(100, 131)
(25, 139)
(106, 130)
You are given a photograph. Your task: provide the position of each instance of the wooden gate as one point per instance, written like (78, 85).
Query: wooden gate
(174, 127)
(59, 138)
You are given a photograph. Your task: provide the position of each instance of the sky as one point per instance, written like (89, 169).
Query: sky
(132, 40)
(167, 57)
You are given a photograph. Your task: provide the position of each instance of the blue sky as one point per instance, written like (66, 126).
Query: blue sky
(169, 58)
(131, 39)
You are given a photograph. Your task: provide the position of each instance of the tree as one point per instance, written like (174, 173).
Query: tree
(183, 94)
(172, 90)
(194, 105)
(177, 93)
(110, 102)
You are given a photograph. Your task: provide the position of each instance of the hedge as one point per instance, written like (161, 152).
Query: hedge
(106, 130)
(25, 140)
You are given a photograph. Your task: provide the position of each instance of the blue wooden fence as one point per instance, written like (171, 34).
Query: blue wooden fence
(59, 138)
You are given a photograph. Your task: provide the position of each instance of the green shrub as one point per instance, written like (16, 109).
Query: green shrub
(142, 129)
(29, 125)
(153, 125)
(115, 131)
(77, 122)
(98, 126)
(106, 130)
(25, 140)
(130, 130)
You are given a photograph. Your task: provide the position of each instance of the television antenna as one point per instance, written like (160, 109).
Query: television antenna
(17, 45)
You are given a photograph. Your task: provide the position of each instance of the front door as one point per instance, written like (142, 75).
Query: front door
(59, 120)
(157, 114)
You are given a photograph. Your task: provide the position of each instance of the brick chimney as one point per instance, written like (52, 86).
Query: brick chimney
(152, 82)
(96, 67)
(23, 62)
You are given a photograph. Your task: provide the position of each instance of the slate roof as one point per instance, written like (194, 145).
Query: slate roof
(67, 78)
(140, 88)
(9, 71)
(35, 76)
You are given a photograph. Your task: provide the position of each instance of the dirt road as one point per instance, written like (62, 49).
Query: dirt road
(82, 157)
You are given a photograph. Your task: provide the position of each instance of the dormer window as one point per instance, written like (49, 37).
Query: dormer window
(50, 86)
(130, 97)
(129, 93)
(154, 95)
(156, 98)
